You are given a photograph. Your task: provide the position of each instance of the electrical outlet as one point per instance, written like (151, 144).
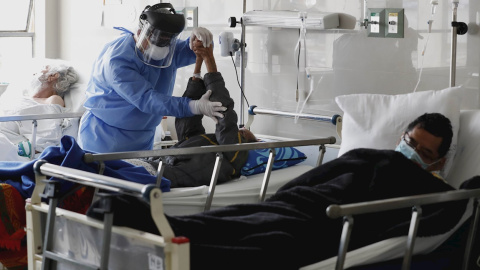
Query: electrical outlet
(394, 18)
(191, 17)
(376, 22)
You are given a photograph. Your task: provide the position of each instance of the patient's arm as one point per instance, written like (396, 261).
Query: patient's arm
(190, 126)
(226, 130)
(53, 99)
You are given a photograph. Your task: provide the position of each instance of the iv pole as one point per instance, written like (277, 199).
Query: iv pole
(242, 67)
(458, 28)
(453, 62)
(233, 23)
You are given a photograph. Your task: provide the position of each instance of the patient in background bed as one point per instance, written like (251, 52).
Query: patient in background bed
(196, 170)
(44, 96)
(291, 229)
(426, 142)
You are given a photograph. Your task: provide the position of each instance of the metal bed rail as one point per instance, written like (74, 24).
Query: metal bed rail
(218, 149)
(335, 119)
(347, 211)
(174, 247)
(34, 118)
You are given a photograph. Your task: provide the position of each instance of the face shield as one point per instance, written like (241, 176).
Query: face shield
(158, 33)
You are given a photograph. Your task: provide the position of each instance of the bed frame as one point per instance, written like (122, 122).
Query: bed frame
(218, 149)
(335, 120)
(175, 249)
(348, 211)
(35, 118)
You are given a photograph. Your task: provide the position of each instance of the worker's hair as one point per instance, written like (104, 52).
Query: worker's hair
(67, 77)
(438, 125)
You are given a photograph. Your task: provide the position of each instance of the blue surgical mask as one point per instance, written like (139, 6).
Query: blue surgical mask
(411, 154)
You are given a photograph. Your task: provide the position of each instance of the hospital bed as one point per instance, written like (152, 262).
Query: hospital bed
(173, 253)
(246, 189)
(41, 124)
(170, 251)
(72, 235)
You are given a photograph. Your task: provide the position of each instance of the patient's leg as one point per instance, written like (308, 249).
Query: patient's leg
(195, 170)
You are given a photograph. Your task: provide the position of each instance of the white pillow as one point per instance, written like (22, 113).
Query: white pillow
(467, 157)
(75, 97)
(377, 121)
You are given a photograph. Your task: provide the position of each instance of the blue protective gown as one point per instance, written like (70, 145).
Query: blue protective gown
(126, 99)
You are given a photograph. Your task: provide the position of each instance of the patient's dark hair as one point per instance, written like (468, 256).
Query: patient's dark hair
(438, 125)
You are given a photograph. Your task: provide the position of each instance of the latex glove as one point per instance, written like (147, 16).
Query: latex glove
(202, 34)
(206, 107)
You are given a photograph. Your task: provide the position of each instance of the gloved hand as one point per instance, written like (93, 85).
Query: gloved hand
(202, 34)
(206, 107)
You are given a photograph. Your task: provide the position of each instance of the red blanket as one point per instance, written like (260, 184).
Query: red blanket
(12, 227)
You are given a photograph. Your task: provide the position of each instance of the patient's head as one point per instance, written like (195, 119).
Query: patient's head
(426, 141)
(247, 134)
(53, 80)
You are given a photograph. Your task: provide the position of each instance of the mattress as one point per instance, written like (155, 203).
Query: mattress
(246, 189)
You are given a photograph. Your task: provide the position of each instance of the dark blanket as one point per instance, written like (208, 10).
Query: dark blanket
(291, 228)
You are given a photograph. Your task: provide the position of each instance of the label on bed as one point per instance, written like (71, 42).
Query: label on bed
(155, 262)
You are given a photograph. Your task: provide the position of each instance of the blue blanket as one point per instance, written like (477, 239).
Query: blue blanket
(20, 175)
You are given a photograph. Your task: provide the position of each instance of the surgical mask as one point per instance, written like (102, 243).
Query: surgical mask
(157, 53)
(411, 154)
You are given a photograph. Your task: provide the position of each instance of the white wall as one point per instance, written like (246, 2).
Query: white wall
(343, 61)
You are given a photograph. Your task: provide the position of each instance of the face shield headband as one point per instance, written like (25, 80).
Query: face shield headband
(155, 47)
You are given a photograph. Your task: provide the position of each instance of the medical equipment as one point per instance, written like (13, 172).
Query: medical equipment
(291, 19)
(283, 19)
(228, 44)
(458, 28)
(434, 4)
(335, 119)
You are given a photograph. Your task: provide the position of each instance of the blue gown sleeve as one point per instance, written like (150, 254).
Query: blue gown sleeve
(136, 90)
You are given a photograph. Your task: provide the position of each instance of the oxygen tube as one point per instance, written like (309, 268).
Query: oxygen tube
(301, 45)
(430, 22)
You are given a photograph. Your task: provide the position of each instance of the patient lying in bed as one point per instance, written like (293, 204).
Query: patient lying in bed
(44, 96)
(196, 170)
(280, 232)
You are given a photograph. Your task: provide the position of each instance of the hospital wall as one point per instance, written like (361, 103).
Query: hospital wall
(340, 61)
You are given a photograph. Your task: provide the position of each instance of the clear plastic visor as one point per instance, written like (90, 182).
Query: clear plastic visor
(155, 47)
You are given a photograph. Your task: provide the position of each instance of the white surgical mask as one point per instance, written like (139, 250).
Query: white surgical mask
(157, 53)
(411, 154)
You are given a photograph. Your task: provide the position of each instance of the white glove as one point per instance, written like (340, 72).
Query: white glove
(202, 34)
(206, 107)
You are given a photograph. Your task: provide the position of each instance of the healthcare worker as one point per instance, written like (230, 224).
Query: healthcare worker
(132, 80)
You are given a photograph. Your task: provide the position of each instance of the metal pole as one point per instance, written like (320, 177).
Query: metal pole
(242, 66)
(453, 62)
(242, 74)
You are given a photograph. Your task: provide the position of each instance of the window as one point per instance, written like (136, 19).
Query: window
(16, 31)
(15, 15)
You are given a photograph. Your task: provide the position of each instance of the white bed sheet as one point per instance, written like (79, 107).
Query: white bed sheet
(183, 201)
